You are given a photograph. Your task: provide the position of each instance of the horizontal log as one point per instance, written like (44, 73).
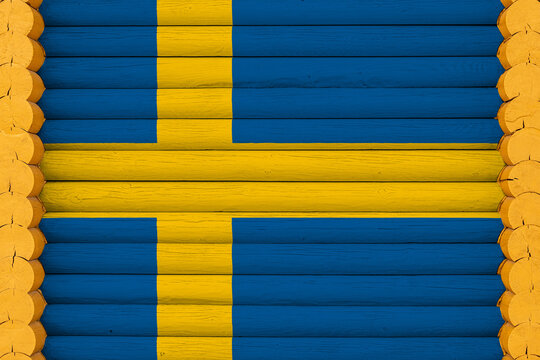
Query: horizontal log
(271, 228)
(419, 290)
(273, 165)
(270, 196)
(208, 348)
(164, 72)
(272, 41)
(286, 321)
(273, 259)
(198, 134)
(270, 103)
(283, 12)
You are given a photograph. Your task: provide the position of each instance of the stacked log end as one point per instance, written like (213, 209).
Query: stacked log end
(22, 336)
(519, 118)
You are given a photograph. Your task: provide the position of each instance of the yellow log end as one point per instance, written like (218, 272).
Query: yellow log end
(521, 276)
(520, 340)
(19, 17)
(521, 242)
(520, 48)
(519, 16)
(521, 210)
(520, 80)
(20, 178)
(20, 49)
(19, 114)
(18, 273)
(521, 308)
(520, 146)
(20, 306)
(20, 210)
(520, 178)
(21, 356)
(507, 3)
(18, 82)
(508, 357)
(21, 145)
(20, 241)
(22, 338)
(521, 112)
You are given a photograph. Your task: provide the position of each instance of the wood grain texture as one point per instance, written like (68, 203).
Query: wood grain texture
(272, 166)
(286, 196)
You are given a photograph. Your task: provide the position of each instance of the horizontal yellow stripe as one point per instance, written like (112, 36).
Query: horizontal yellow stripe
(194, 40)
(194, 72)
(194, 348)
(194, 289)
(271, 196)
(194, 320)
(194, 12)
(387, 165)
(195, 259)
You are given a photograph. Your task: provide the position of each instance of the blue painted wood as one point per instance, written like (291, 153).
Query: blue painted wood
(140, 73)
(283, 12)
(249, 348)
(99, 230)
(307, 290)
(286, 103)
(287, 41)
(270, 259)
(287, 321)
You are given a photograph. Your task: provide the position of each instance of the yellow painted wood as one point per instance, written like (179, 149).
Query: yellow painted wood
(521, 276)
(18, 82)
(194, 289)
(387, 165)
(520, 80)
(194, 12)
(520, 48)
(194, 348)
(21, 241)
(521, 308)
(521, 210)
(520, 178)
(194, 103)
(520, 146)
(18, 114)
(21, 306)
(18, 273)
(22, 338)
(272, 196)
(522, 15)
(203, 259)
(194, 320)
(20, 49)
(520, 340)
(521, 112)
(199, 72)
(194, 41)
(19, 17)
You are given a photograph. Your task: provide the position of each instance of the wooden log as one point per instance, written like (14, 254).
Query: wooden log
(270, 134)
(520, 48)
(521, 210)
(185, 72)
(519, 113)
(21, 241)
(522, 242)
(302, 290)
(20, 210)
(385, 165)
(20, 49)
(520, 178)
(20, 306)
(20, 114)
(268, 321)
(22, 146)
(285, 103)
(272, 227)
(284, 12)
(19, 82)
(522, 15)
(270, 196)
(20, 178)
(19, 17)
(21, 338)
(520, 80)
(208, 348)
(520, 340)
(520, 146)
(20, 356)
(521, 308)
(272, 259)
(18, 273)
(272, 41)
(521, 276)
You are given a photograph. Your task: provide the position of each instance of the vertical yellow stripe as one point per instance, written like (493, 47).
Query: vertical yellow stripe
(196, 229)
(194, 259)
(194, 320)
(194, 289)
(194, 12)
(194, 348)
(194, 103)
(197, 72)
(194, 41)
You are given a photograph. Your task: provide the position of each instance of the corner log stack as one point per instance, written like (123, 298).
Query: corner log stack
(519, 118)
(21, 242)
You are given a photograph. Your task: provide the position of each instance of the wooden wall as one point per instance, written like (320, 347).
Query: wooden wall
(286, 179)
